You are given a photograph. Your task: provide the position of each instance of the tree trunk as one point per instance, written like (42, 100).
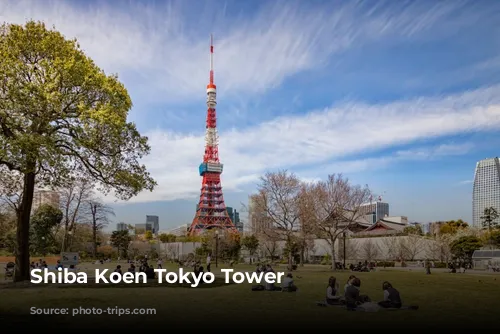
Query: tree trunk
(334, 267)
(94, 241)
(22, 272)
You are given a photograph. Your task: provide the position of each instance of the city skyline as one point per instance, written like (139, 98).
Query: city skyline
(404, 98)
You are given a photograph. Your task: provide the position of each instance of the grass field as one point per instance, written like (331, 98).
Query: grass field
(457, 300)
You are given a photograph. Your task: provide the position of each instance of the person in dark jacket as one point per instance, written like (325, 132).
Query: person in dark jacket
(392, 299)
(352, 297)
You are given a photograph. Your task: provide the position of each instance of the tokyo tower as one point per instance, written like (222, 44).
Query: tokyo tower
(211, 210)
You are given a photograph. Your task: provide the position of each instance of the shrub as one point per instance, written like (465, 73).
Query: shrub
(386, 264)
(440, 265)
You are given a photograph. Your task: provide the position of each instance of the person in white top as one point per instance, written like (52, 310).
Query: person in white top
(331, 292)
(160, 263)
(208, 262)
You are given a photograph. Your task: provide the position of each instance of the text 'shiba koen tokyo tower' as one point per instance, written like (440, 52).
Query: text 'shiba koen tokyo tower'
(211, 212)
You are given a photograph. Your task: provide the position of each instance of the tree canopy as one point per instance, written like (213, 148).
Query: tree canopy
(62, 117)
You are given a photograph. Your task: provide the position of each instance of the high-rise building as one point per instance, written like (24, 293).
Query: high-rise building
(376, 210)
(121, 227)
(235, 218)
(256, 219)
(486, 191)
(42, 197)
(155, 223)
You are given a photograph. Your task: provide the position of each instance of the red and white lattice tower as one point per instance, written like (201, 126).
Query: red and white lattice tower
(211, 210)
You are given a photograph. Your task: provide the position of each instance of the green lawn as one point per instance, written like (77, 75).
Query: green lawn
(456, 299)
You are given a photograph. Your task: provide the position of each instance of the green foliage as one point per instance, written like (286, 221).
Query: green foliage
(121, 240)
(441, 265)
(489, 218)
(7, 231)
(414, 229)
(327, 260)
(167, 238)
(463, 248)
(453, 226)
(251, 243)
(148, 235)
(386, 264)
(60, 111)
(43, 222)
(495, 237)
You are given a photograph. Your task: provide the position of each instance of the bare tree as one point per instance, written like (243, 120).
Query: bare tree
(268, 246)
(277, 206)
(172, 250)
(99, 217)
(370, 250)
(411, 246)
(391, 245)
(72, 198)
(332, 207)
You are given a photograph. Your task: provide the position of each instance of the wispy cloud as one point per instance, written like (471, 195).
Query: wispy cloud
(420, 154)
(322, 136)
(152, 47)
(465, 182)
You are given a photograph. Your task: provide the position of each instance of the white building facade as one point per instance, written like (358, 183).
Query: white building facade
(486, 191)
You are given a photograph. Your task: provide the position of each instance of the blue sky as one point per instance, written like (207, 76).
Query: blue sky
(401, 95)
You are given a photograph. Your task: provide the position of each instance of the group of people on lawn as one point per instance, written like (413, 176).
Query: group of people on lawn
(352, 296)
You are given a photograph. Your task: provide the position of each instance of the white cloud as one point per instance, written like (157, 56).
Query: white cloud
(419, 154)
(317, 138)
(154, 50)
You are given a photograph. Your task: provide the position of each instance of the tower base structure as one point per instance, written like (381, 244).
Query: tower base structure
(211, 211)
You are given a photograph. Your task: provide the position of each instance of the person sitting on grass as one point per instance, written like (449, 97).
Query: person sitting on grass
(288, 285)
(353, 298)
(331, 292)
(118, 269)
(392, 299)
(348, 283)
(131, 269)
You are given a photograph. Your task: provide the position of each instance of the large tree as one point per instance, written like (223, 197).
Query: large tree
(332, 207)
(61, 116)
(276, 207)
(121, 240)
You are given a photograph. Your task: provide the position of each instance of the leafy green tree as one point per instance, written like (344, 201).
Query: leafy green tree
(463, 248)
(167, 237)
(43, 222)
(121, 240)
(414, 230)
(489, 218)
(61, 116)
(494, 238)
(453, 226)
(148, 235)
(251, 243)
